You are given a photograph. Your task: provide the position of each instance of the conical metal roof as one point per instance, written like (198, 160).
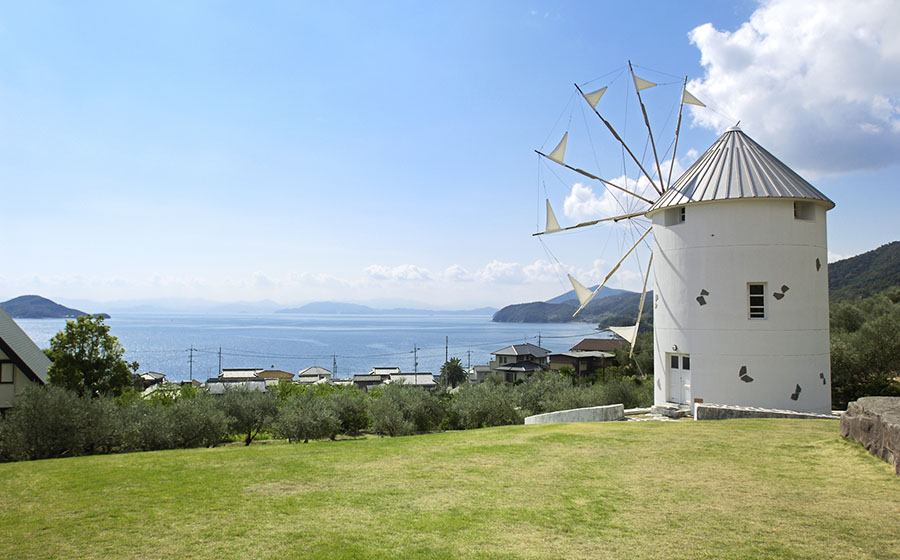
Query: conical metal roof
(736, 167)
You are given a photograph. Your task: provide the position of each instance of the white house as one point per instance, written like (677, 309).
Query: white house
(519, 361)
(22, 363)
(313, 375)
(741, 283)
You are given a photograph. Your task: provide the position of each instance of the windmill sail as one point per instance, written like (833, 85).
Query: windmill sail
(552, 224)
(641, 83)
(637, 324)
(594, 97)
(559, 152)
(628, 333)
(686, 97)
(584, 295)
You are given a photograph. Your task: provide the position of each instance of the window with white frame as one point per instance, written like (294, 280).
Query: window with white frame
(756, 300)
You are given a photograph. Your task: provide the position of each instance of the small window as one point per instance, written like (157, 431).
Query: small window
(804, 211)
(6, 373)
(674, 361)
(685, 362)
(756, 300)
(675, 216)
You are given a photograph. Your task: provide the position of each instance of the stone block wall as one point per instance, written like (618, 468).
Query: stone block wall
(875, 423)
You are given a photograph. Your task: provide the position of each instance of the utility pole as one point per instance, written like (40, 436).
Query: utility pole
(191, 360)
(446, 349)
(539, 339)
(220, 361)
(334, 366)
(415, 359)
(469, 352)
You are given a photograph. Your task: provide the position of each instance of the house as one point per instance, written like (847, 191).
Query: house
(313, 375)
(240, 373)
(366, 381)
(423, 380)
(218, 385)
(519, 361)
(383, 375)
(151, 378)
(588, 356)
(276, 374)
(477, 374)
(22, 363)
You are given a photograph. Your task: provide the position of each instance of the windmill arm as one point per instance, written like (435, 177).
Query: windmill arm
(593, 223)
(613, 271)
(592, 176)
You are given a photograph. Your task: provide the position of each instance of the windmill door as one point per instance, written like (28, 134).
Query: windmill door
(679, 378)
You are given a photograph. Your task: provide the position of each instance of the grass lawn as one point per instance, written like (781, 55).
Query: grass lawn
(728, 489)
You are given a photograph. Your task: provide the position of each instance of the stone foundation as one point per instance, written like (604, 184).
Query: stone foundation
(589, 414)
(705, 411)
(875, 423)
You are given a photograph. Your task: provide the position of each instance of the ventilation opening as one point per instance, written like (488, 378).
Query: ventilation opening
(756, 300)
(805, 211)
(675, 216)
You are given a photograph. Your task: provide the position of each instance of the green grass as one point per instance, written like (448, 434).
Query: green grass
(730, 489)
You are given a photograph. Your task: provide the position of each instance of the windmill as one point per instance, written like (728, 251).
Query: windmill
(738, 257)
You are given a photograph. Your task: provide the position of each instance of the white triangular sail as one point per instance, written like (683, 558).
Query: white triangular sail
(552, 224)
(559, 152)
(584, 295)
(687, 97)
(594, 97)
(641, 83)
(628, 333)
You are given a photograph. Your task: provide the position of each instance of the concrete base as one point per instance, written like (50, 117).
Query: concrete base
(589, 414)
(875, 423)
(704, 411)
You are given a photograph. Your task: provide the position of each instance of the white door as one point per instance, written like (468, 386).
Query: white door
(679, 378)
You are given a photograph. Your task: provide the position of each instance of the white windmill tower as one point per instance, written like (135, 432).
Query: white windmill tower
(740, 277)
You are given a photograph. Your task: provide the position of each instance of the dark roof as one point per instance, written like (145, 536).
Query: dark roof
(522, 350)
(521, 366)
(22, 350)
(598, 345)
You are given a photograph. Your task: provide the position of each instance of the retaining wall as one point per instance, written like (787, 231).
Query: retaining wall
(875, 423)
(588, 414)
(704, 411)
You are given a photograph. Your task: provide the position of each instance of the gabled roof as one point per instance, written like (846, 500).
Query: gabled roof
(22, 350)
(736, 167)
(527, 349)
(240, 373)
(314, 370)
(598, 345)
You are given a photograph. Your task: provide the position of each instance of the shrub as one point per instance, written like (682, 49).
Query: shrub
(484, 405)
(398, 410)
(304, 417)
(51, 422)
(631, 392)
(350, 405)
(248, 412)
(537, 393)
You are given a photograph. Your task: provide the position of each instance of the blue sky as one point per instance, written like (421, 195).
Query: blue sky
(383, 151)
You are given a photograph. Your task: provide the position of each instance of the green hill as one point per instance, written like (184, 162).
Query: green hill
(865, 274)
(37, 307)
(619, 308)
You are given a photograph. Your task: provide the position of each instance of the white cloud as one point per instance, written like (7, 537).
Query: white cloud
(817, 82)
(401, 272)
(502, 272)
(457, 273)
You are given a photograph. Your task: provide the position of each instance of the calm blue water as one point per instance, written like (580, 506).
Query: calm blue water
(293, 342)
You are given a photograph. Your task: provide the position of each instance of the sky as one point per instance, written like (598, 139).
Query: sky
(383, 152)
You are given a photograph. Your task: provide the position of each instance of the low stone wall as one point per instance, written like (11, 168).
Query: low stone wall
(588, 414)
(875, 423)
(704, 411)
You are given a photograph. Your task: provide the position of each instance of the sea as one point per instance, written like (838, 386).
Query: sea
(192, 346)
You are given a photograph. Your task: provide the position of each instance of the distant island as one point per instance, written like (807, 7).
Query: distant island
(37, 307)
(338, 308)
(609, 307)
